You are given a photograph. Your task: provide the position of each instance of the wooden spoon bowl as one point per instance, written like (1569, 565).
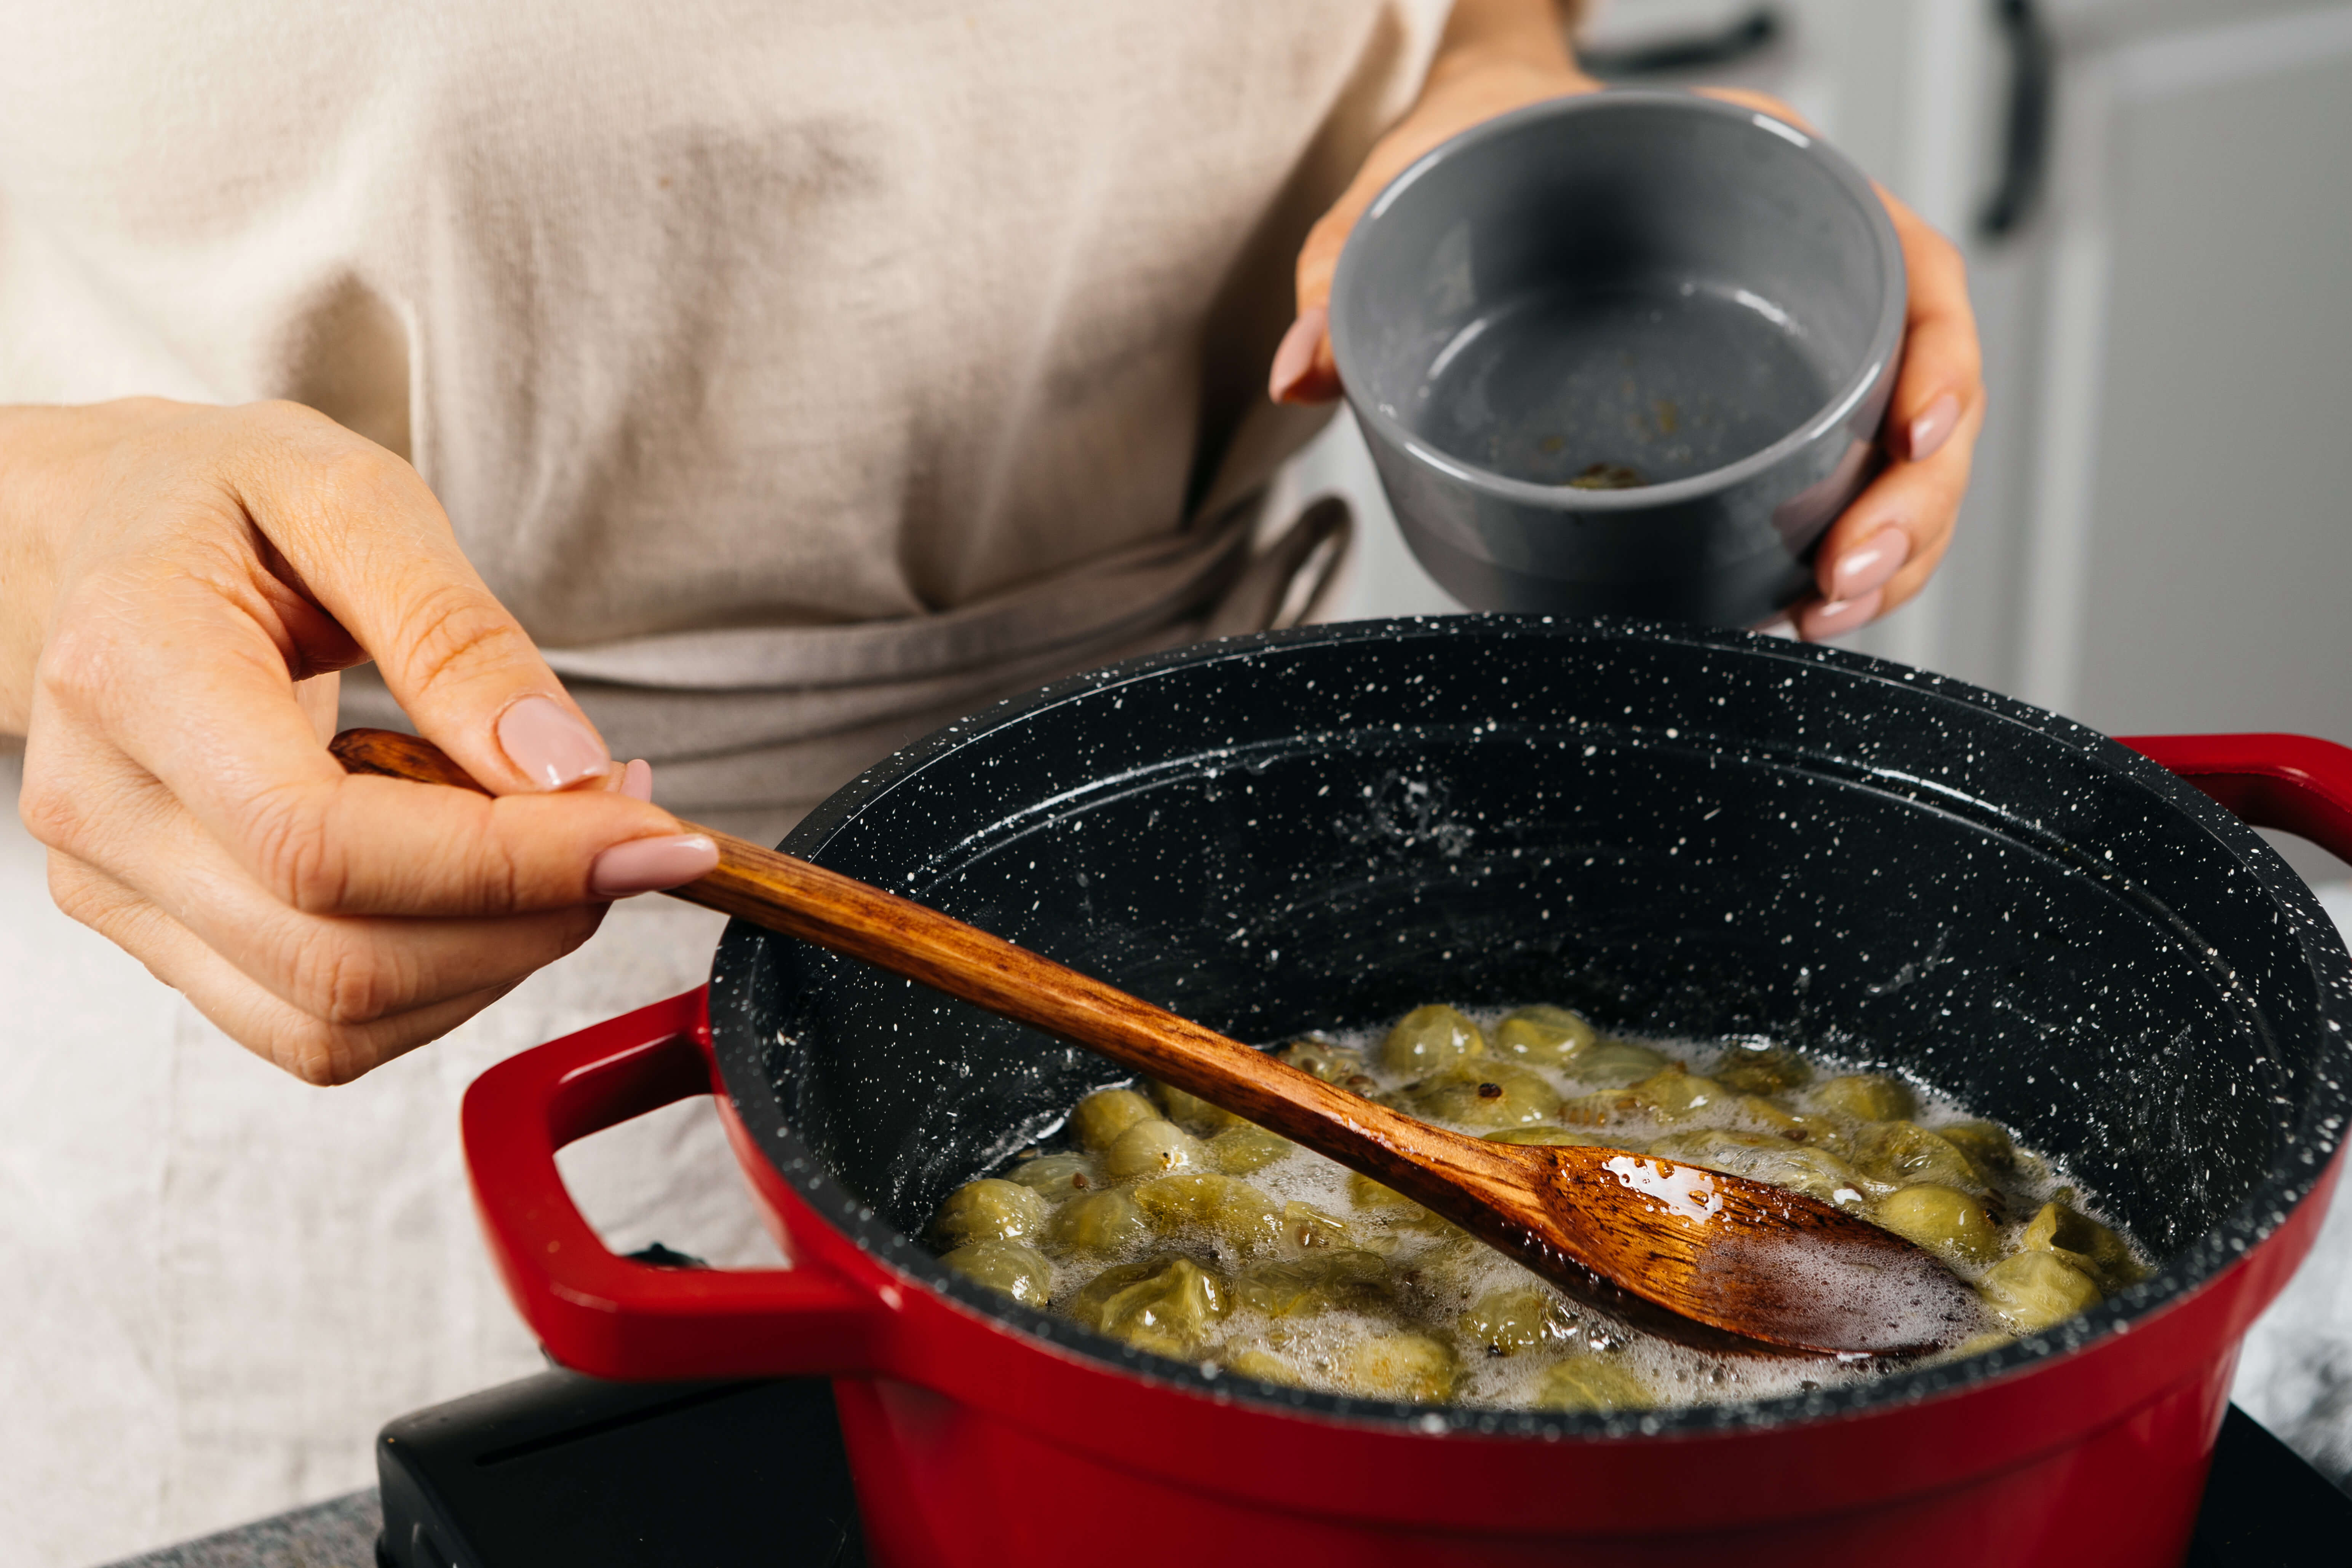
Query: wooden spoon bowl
(1696, 1255)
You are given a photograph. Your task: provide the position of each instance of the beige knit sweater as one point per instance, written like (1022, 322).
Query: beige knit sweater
(801, 374)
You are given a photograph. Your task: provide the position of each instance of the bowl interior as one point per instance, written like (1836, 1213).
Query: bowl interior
(1620, 290)
(1688, 834)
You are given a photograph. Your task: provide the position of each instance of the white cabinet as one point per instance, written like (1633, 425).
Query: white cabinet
(2179, 475)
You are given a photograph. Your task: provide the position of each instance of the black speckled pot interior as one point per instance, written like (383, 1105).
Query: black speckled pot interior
(1679, 832)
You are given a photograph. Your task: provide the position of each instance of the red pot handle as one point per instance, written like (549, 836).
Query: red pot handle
(2296, 784)
(606, 1315)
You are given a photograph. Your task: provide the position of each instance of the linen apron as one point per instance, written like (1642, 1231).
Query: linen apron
(802, 376)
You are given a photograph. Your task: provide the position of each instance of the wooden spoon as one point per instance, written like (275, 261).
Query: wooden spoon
(1699, 1255)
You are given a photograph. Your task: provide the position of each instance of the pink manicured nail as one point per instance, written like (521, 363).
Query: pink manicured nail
(1934, 428)
(637, 779)
(1296, 357)
(1870, 563)
(1839, 615)
(550, 745)
(649, 865)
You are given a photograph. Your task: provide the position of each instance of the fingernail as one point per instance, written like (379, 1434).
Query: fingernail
(1934, 428)
(552, 748)
(1295, 356)
(649, 865)
(1839, 616)
(1870, 563)
(637, 779)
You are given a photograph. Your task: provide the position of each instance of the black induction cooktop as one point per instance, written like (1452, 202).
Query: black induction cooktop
(565, 1468)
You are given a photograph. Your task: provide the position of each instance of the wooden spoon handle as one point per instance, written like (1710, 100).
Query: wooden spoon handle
(804, 900)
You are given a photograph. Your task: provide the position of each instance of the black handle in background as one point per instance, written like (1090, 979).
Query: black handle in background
(2025, 142)
(1750, 35)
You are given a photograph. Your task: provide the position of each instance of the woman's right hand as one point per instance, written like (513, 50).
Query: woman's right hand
(180, 584)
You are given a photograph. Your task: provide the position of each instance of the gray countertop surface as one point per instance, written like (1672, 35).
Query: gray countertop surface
(338, 1533)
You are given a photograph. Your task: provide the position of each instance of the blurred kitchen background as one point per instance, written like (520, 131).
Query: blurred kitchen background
(2155, 198)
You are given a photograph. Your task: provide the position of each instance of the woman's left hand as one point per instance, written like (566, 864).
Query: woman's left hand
(1502, 55)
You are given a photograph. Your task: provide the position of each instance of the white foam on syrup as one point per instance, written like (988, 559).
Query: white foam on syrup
(1437, 1272)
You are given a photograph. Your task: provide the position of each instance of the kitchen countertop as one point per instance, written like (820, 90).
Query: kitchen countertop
(338, 1533)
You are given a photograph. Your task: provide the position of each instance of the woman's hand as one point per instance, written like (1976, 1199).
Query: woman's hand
(1501, 55)
(1885, 546)
(180, 584)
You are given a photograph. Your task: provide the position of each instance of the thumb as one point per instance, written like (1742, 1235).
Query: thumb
(374, 549)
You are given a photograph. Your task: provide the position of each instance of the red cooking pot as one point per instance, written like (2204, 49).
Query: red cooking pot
(1679, 832)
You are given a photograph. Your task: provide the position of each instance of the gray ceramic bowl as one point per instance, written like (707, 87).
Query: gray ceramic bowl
(1622, 353)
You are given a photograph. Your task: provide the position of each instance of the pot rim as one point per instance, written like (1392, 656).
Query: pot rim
(1879, 360)
(2311, 1144)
